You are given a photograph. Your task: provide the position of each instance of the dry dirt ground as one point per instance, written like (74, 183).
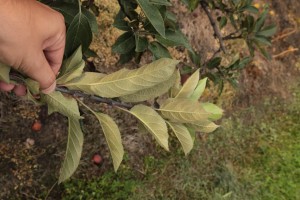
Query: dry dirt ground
(30, 161)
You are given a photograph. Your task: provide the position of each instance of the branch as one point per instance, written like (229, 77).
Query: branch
(214, 25)
(290, 50)
(232, 37)
(108, 101)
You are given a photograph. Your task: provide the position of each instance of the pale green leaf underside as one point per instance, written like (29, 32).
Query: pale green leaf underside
(85, 80)
(183, 135)
(125, 82)
(113, 138)
(73, 152)
(70, 75)
(4, 72)
(177, 85)
(154, 123)
(199, 89)
(70, 63)
(214, 111)
(150, 93)
(183, 110)
(189, 86)
(32, 89)
(65, 105)
(204, 127)
(33, 86)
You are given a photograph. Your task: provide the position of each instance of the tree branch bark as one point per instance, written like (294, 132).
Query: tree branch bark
(213, 24)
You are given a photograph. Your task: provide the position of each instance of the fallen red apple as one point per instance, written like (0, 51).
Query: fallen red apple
(97, 159)
(36, 126)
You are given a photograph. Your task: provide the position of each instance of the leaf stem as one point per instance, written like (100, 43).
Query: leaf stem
(79, 5)
(77, 94)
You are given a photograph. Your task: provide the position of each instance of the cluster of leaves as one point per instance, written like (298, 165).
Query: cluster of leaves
(248, 22)
(80, 21)
(249, 25)
(226, 73)
(182, 111)
(148, 25)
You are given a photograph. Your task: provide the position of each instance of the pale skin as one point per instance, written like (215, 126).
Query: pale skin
(32, 41)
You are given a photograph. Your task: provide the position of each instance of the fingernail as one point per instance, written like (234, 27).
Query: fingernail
(49, 89)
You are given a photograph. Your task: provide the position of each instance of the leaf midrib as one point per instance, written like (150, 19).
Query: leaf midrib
(118, 80)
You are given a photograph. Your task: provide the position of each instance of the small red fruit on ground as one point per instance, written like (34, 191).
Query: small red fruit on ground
(36, 126)
(97, 159)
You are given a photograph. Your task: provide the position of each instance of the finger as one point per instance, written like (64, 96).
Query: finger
(6, 87)
(40, 70)
(20, 90)
(55, 51)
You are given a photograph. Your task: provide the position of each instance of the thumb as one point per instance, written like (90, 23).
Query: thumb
(41, 72)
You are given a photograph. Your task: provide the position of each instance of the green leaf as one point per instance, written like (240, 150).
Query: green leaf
(4, 73)
(64, 105)
(189, 86)
(183, 111)
(89, 53)
(268, 31)
(141, 43)
(73, 152)
(262, 40)
(174, 38)
(91, 18)
(125, 82)
(158, 50)
(192, 132)
(195, 58)
(251, 9)
(213, 63)
(215, 112)
(153, 122)
(264, 52)
(249, 23)
(177, 85)
(193, 4)
(75, 73)
(261, 20)
(151, 93)
(33, 86)
(204, 127)
(113, 138)
(183, 135)
(124, 58)
(199, 90)
(71, 62)
(79, 33)
(171, 21)
(161, 2)
(154, 16)
(124, 44)
(120, 23)
(222, 22)
(129, 8)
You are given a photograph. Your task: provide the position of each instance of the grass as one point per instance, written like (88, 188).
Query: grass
(255, 155)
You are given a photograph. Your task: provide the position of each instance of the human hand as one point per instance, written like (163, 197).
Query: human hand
(32, 41)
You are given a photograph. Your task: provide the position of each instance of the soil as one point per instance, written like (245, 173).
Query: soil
(30, 161)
